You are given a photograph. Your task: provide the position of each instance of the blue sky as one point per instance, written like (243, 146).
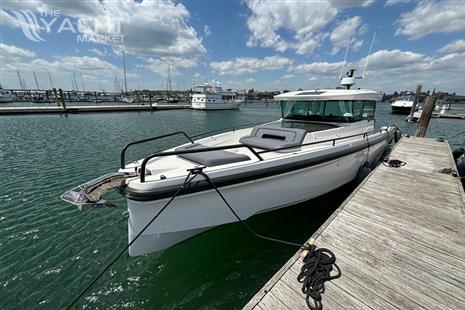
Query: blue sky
(243, 44)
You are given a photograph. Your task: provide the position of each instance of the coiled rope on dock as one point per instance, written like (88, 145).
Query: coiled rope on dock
(318, 263)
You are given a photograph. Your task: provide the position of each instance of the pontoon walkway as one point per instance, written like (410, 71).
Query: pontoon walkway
(399, 240)
(89, 109)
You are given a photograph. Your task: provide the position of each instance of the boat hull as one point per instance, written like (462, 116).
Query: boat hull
(215, 106)
(193, 213)
(401, 110)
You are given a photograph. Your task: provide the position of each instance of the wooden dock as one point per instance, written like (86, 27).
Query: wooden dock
(399, 240)
(89, 109)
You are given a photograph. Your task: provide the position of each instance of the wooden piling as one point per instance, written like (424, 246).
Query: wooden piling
(426, 115)
(56, 96)
(415, 102)
(62, 100)
(96, 97)
(150, 100)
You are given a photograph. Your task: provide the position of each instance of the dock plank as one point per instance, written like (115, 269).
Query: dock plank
(399, 239)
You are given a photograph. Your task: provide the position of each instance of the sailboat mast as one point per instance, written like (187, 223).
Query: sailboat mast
(124, 70)
(82, 82)
(21, 83)
(75, 81)
(35, 78)
(169, 79)
(50, 80)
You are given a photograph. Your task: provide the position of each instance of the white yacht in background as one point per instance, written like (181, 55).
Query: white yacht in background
(403, 105)
(5, 96)
(211, 96)
(321, 142)
(127, 99)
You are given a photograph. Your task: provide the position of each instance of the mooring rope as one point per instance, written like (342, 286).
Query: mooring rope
(313, 279)
(317, 263)
(394, 163)
(190, 176)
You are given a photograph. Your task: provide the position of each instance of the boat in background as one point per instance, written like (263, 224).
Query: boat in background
(211, 96)
(5, 96)
(403, 105)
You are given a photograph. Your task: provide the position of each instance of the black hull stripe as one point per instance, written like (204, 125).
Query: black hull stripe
(202, 185)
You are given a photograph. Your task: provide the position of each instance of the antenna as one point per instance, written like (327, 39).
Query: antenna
(369, 53)
(345, 57)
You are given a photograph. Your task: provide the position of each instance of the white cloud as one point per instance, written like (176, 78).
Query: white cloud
(319, 67)
(15, 58)
(395, 2)
(343, 32)
(149, 27)
(14, 51)
(288, 76)
(99, 52)
(395, 60)
(304, 20)
(432, 17)
(250, 81)
(456, 46)
(206, 31)
(396, 69)
(390, 70)
(242, 65)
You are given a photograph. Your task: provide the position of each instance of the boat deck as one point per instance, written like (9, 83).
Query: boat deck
(399, 240)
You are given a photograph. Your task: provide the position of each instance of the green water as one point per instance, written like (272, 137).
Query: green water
(50, 250)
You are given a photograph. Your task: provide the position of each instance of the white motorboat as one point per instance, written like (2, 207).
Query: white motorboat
(5, 96)
(322, 140)
(127, 99)
(403, 105)
(211, 96)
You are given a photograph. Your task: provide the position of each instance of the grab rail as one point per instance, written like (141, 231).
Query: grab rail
(206, 149)
(234, 146)
(123, 151)
(190, 138)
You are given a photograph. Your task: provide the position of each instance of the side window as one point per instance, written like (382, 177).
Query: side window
(369, 109)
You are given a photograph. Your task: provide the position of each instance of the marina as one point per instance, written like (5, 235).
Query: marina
(255, 155)
(89, 109)
(399, 247)
(153, 279)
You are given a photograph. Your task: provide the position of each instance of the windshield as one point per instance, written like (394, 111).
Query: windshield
(328, 110)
